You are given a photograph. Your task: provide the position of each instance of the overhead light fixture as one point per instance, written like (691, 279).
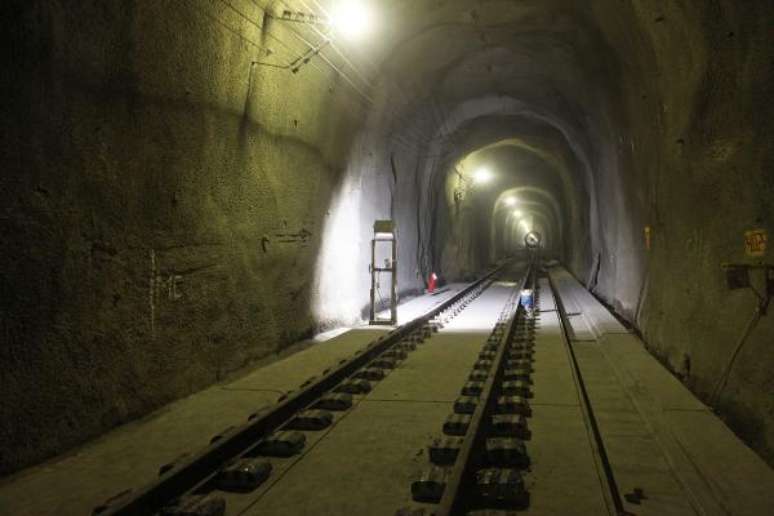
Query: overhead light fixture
(518, 214)
(482, 176)
(510, 201)
(351, 19)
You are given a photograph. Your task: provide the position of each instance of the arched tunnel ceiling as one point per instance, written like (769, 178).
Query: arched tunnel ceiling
(542, 72)
(445, 66)
(523, 176)
(526, 167)
(451, 78)
(530, 203)
(565, 175)
(537, 53)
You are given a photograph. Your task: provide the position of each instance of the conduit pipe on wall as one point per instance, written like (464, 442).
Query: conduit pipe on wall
(742, 340)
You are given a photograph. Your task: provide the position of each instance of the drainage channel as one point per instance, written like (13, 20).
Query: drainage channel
(476, 465)
(245, 459)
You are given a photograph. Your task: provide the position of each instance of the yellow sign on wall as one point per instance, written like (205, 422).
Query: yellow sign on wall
(648, 237)
(755, 242)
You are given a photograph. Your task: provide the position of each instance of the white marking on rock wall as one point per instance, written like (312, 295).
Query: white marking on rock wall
(152, 294)
(173, 287)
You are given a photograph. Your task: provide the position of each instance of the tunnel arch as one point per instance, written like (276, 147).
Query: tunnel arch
(533, 201)
(513, 234)
(533, 176)
(472, 110)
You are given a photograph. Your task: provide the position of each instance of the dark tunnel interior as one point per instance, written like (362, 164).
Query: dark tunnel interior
(189, 187)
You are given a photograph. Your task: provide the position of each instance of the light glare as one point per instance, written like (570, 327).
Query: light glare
(518, 214)
(482, 176)
(351, 19)
(338, 292)
(510, 201)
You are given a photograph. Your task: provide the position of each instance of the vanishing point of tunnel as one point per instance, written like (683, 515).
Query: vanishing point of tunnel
(386, 257)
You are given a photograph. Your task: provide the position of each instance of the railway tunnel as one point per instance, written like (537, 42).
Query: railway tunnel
(189, 194)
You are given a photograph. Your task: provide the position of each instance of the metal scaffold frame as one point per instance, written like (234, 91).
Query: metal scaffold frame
(384, 231)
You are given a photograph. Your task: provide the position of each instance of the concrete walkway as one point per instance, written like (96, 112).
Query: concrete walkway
(129, 456)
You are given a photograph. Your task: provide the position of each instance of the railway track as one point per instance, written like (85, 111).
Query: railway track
(226, 476)
(476, 465)
(481, 407)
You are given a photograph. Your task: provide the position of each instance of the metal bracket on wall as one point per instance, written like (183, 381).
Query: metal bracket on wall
(295, 65)
(738, 276)
(384, 233)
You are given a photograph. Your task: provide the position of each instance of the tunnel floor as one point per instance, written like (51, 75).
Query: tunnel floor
(666, 452)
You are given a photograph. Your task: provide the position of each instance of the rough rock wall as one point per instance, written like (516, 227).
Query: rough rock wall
(702, 135)
(161, 204)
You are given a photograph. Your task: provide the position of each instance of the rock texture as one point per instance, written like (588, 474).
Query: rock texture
(161, 207)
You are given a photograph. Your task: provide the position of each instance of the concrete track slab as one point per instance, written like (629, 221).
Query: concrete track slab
(130, 455)
(741, 481)
(126, 457)
(562, 478)
(287, 375)
(419, 378)
(412, 307)
(384, 438)
(383, 442)
(577, 300)
(639, 371)
(658, 436)
(547, 300)
(579, 328)
(456, 346)
(553, 380)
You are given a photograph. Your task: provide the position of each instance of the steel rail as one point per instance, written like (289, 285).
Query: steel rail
(610, 490)
(457, 492)
(192, 472)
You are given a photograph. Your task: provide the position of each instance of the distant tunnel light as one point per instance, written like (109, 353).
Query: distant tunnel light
(510, 201)
(482, 176)
(518, 214)
(351, 19)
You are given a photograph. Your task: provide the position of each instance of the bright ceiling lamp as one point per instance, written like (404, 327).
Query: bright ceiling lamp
(518, 214)
(351, 19)
(510, 201)
(482, 175)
